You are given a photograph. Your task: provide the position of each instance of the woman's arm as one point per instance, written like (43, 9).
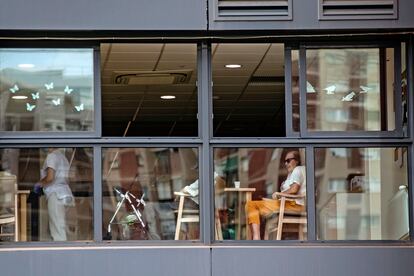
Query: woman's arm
(50, 176)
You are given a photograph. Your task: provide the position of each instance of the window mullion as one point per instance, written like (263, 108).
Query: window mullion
(97, 193)
(205, 114)
(310, 193)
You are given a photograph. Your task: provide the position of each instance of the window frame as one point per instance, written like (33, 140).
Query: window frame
(306, 133)
(206, 142)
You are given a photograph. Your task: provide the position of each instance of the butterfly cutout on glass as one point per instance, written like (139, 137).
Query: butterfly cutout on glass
(56, 102)
(14, 89)
(365, 89)
(30, 107)
(68, 90)
(349, 97)
(49, 86)
(330, 90)
(79, 107)
(35, 96)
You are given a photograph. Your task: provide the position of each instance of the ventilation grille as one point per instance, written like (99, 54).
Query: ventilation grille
(152, 77)
(355, 9)
(253, 10)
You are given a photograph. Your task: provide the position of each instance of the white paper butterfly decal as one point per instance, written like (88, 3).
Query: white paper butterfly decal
(35, 95)
(56, 102)
(68, 90)
(14, 89)
(365, 89)
(79, 107)
(349, 97)
(330, 90)
(30, 107)
(49, 86)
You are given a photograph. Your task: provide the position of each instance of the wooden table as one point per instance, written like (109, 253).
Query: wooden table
(21, 223)
(240, 208)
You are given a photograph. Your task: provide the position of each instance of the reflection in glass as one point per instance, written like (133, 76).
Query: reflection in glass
(361, 193)
(248, 100)
(46, 194)
(151, 179)
(352, 89)
(46, 90)
(250, 176)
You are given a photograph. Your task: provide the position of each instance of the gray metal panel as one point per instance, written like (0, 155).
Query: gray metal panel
(106, 261)
(103, 15)
(313, 261)
(305, 17)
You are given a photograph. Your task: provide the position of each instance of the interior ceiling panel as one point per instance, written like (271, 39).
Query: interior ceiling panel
(236, 96)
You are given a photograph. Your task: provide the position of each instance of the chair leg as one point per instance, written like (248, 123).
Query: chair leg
(301, 235)
(179, 217)
(219, 233)
(280, 223)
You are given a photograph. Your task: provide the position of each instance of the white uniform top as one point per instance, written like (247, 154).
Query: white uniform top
(298, 176)
(58, 162)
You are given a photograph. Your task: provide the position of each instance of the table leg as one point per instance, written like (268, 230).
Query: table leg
(248, 234)
(23, 217)
(239, 216)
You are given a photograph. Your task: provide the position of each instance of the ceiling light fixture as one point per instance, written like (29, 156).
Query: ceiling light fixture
(232, 66)
(167, 97)
(25, 65)
(19, 97)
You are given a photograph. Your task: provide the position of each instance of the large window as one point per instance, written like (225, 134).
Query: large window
(206, 143)
(149, 89)
(46, 90)
(141, 193)
(352, 90)
(248, 90)
(361, 193)
(46, 194)
(247, 182)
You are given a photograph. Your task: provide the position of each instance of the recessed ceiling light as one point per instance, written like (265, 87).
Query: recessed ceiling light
(26, 65)
(232, 66)
(19, 97)
(167, 97)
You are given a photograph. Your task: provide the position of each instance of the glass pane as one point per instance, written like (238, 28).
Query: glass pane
(46, 194)
(361, 193)
(149, 89)
(46, 90)
(404, 87)
(245, 181)
(142, 191)
(350, 89)
(248, 90)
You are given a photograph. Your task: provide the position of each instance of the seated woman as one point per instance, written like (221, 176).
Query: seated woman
(295, 183)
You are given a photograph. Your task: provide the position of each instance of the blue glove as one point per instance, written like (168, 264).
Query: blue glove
(37, 189)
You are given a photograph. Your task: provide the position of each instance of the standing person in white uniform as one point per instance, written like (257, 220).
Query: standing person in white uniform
(54, 181)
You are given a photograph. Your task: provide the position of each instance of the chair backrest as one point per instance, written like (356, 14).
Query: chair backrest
(8, 188)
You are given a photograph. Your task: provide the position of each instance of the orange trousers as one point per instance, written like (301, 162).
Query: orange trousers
(257, 208)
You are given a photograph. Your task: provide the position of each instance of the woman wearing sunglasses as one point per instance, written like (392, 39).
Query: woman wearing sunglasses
(295, 183)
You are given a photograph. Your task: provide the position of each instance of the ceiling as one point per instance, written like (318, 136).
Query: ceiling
(242, 97)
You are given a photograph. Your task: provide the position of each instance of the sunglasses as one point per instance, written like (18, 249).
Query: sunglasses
(287, 161)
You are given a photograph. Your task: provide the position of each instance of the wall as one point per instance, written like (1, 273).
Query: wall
(203, 261)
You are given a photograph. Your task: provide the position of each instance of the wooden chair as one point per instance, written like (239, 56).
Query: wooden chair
(287, 217)
(185, 216)
(8, 204)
